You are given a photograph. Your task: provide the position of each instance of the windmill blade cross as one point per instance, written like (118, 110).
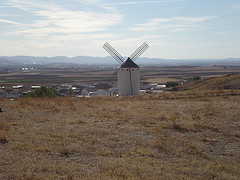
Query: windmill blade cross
(113, 53)
(138, 51)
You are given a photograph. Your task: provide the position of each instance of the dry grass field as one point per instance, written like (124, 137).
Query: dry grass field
(230, 81)
(180, 135)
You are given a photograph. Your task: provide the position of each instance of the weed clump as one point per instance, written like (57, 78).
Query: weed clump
(3, 133)
(3, 137)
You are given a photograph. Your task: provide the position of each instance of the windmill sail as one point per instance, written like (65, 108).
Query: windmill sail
(113, 53)
(138, 51)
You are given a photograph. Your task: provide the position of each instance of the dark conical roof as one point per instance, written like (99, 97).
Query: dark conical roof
(129, 64)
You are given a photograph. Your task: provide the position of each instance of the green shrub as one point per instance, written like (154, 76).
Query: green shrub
(70, 92)
(43, 91)
(171, 83)
(196, 78)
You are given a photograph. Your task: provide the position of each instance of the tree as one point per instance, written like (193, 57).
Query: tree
(43, 91)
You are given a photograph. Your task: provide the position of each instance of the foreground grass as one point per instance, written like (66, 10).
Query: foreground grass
(170, 136)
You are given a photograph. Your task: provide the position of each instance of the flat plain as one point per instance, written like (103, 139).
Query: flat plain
(153, 74)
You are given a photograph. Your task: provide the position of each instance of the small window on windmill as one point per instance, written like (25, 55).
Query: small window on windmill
(132, 69)
(122, 69)
(127, 69)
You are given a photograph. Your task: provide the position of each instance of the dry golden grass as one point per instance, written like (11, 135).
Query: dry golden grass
(184, 135)
(230, 81)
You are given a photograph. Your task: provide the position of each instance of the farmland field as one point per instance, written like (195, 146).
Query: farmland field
(151, 74)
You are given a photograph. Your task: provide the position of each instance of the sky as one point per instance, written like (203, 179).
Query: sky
(173, 29)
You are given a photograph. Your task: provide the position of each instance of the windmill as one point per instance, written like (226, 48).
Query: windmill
(128, 71)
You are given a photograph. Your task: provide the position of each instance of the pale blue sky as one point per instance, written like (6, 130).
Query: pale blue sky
(172, 28)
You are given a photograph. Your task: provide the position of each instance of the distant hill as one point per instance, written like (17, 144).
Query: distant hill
(231, 81)
(5, 62)
(60, 59)
(9, 60)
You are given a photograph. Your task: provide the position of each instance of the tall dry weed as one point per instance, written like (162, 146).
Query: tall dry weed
(3, 132)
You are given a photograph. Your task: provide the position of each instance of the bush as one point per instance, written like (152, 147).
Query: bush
(171, 83)
(193, 79)
(43, 91)
(196, 78)
(70, 92)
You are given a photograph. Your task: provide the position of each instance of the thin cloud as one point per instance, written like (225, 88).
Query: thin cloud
(174, 24)
(235, 7)
(7, 21)
(92, 1)
(224, 32)
(52, 28)
(5, 6)
(143, 2)
(54, 19)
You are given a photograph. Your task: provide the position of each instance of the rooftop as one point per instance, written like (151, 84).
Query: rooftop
(129, 64)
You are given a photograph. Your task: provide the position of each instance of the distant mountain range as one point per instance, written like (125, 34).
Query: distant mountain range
(88, 60)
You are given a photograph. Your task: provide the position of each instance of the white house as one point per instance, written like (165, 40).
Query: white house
(101, 92)
(160, 87)
(84, 92)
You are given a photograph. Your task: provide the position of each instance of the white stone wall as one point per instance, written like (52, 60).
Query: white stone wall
(128, 81)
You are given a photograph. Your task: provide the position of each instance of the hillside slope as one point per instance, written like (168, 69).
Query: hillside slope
(166, 136)
(231, 81)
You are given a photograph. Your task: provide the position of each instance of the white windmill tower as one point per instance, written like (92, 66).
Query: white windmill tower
(128, 71)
